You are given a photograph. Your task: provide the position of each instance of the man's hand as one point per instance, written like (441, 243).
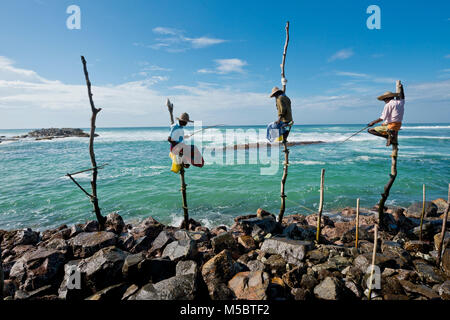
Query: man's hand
(370, 124)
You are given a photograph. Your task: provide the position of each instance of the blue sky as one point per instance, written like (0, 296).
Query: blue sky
(218, 60)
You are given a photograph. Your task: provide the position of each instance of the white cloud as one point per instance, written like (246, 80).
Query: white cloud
(225, 66)
(174, 40)
(342, 55)
(351, 74)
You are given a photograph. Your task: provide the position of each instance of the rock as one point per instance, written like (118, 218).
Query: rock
(354, 287)
(415, 210)
(324, 221)
(259, 227)
(57, 133)
(131, 290)
(9, 288)
(223, 241)
(446, 262)
(428, 231)
(197, 236)
(293, 251)
(149, 227)
(395, 297)
(114, 223)
(441, 204)
(216, 272)
(416, 246)
(363, 234)
(104, 268)
(308, 281)
(87, 243)
(330, 288)
(186, 267)
(256, 265)
(348, 211)
(318, 255)
(58, 244)
(68, 289)
(275, 264)
(26, 236)
(90, 226)
(192, 224)
(301, 294)
(32, 295)
(142, 244)
(293, 231)
(261, 213)
(126, 241)
(437, 240)
(293, 277)
(75, 229)
(130, 268)
(428, 273)
(155, 270)
(420, 289)
(444, 290)
(181, 249)
(112, 293)
(391, 285)
(250, 285)
(218, 230)
(247, 242)
(37, 268)
(363, 261)
(181, 287)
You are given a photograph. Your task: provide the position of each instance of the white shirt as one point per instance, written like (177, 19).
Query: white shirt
(176, 132)
(393, 111)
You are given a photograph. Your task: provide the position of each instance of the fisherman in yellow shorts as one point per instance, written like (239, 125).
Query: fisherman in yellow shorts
(392, 116)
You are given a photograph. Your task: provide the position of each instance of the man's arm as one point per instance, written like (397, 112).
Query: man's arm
(170, 108)
(374, 122)
(401, 93)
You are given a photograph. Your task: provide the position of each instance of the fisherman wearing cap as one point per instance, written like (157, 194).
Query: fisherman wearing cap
(278, 129)
(392, 116)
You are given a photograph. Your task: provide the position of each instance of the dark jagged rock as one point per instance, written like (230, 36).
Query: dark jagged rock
(259, 227)
(181, 249)
(114, 223)
(293, 251)
(415, 210)
(331, 289)
(86, 244)
(186, 267)
(51, 133)
(112, 293)
(223, 241)
(216, 273)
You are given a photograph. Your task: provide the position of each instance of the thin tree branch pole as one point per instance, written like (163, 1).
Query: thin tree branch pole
(422, 214)
(101, 220)
(374, 255)
(393, 175)
(90, 169)
(183, 194)
(319, 217)
(284, 56)
(357, 223)
(283, 181)
(79, 186)
(444, 227)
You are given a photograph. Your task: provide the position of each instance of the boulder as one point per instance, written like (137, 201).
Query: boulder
(256, 265)
(130, 270)
(363, 234)
(293, 251)
(149, 227)
(155, 270)
(90, 226)
(330, 288)
(308, 281)
(180, 250)
(197, 236)
(26, 236)
(102, 269)
(216, 273)
(416, 246)
(161, 241)
(318, 255)
(427, 273)
(363, 261)
(223, 241)
(324, 221)
(293, 277)
(250, 285)
(38, 268)
(293, 231)
(419, 289)
(259, 228)
(441, 204)
(86, 244)
(247, 242)
(444, 290)
(68, 289)
(275, 264)
(186, 267)
(437, 240)
(446, 262)
(415, 210)
(111, 293)
(114, 223)
(301, 294)
(131, 290)
(126, 241)
(182, 287)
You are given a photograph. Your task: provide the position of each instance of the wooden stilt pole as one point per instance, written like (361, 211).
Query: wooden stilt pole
(388, 186)
(319, 216)
(357, 223)
(374, 255)
(422, 214)
(183, 194)
(444, 226)
(285, 149)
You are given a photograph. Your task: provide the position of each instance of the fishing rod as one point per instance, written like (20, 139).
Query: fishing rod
(337, 145)
(209, 127)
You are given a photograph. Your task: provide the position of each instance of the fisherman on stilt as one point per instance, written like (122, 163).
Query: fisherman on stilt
(280, 129)
(392, 116)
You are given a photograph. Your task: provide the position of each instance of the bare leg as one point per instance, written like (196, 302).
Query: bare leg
(376, 133)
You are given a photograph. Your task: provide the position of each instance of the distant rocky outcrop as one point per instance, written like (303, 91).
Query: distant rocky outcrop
(53, 133)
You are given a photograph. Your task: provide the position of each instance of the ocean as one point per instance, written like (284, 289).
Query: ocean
(137, 182)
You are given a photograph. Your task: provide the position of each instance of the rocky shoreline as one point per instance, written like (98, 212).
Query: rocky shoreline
(49, 134)
(255, 259)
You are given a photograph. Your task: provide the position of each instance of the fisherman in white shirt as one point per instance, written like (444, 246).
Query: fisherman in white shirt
(392, 116)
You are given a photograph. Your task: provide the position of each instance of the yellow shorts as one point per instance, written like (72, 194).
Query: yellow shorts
(390, 126)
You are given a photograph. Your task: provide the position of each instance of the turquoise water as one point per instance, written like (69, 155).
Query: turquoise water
(138, 182)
